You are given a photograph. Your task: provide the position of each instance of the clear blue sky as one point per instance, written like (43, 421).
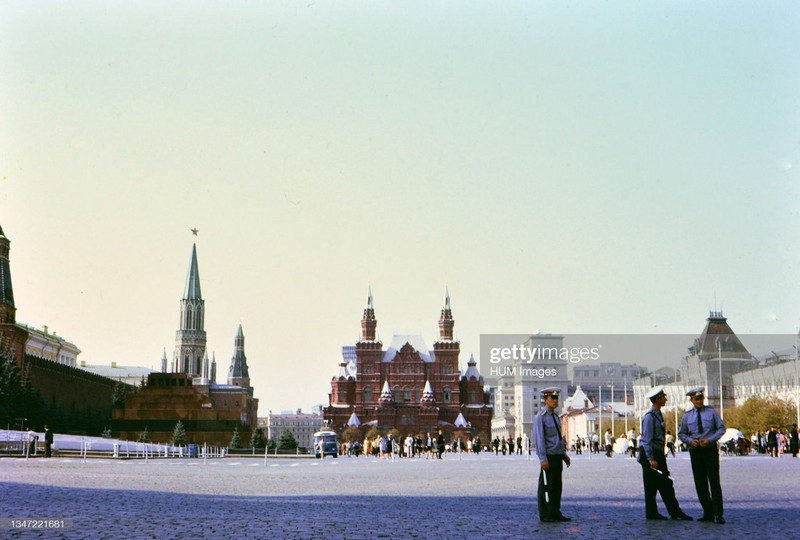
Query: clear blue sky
(561, 166)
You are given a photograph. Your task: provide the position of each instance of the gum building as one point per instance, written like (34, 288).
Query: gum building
(408, 387)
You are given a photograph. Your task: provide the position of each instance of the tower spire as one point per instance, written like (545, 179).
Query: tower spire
(190, 339)
(192, 290)
(8, 311)
(446, 321)
(239, 374)
(368, 321)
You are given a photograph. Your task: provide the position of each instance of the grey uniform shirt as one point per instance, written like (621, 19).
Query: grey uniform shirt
(547, 435)
(651, 441)
(713, 426)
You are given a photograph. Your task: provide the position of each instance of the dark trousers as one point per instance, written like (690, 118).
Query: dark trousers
(658, 482)
(705, 469)
(549, 497)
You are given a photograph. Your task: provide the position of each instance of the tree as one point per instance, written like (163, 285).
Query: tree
(107, 434)
(352, 434)
(118, 395)
(759, 414)
(257, 439)
(144, 436)
(372, 434)
(235, 440)
(10, 388)
(271, 445)
(179, 435)
(287, 441)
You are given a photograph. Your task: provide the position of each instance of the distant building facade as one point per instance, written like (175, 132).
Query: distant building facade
(518, 394)
(408, 387)
(610, 376)
(132, 375)
(302, 425)
(712, 361)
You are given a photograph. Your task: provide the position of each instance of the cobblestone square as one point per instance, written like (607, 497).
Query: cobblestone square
(482, 496)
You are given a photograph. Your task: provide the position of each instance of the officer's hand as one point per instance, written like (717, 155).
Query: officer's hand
(653, 464)
(703, 442)
(545, 465)
(695, 443)
(567, 460)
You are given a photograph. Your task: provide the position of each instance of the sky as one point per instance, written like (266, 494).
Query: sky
(566, 167)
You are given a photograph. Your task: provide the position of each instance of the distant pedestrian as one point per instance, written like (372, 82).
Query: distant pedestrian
(671, 443)
(609, 442)
(772, 441)
(793, 440)
(655, 473)
(700, 429)
(440, 444)
(552, 453)
(48, 441)
(632, 441)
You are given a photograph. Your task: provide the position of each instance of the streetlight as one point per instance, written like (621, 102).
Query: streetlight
(721, 406)
(796, 382)
(612, 411)
(626, 402)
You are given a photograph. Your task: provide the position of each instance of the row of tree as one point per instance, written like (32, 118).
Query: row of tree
(20, 401)
(287, 440)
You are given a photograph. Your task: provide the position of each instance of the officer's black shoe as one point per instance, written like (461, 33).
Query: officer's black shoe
(683, 516)
(706, 518)
(548, 520)
(563, 518)
(719, 520)
(657, 517)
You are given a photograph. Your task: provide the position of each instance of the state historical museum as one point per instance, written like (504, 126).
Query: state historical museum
(407, 387)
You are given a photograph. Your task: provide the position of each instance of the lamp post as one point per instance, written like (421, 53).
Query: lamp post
(626, 402)
(796, 382)
(600, 410)
(719, 358)
(612, 411)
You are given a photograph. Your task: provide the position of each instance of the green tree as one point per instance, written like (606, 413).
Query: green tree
(118, 395)
(179, 435)
(352, 434)
(287, 441)
(759, 414)
(107, 434)
(271, 445)
(372, 433)
(257, 439)
(236, 441)
(144, 436)
(10, 388)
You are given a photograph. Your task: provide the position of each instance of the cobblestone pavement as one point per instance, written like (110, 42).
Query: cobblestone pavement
(475, 497)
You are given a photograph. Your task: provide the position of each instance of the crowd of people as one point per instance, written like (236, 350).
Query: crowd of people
(430, 446)
(776, 441)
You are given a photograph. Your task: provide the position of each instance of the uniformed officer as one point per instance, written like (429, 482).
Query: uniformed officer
(654, 462)
(700, 429)
(552, 452)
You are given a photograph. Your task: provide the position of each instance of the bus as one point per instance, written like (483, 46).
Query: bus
(325, 443)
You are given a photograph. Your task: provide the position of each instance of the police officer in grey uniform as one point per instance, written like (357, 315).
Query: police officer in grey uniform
(552, 453)
(654, 461)
(700, 430)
